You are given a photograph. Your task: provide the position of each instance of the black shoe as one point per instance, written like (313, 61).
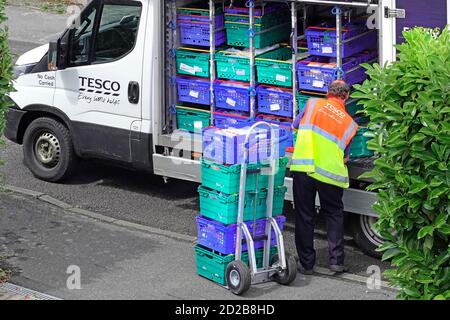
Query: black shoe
(338, 269)
(302, 270)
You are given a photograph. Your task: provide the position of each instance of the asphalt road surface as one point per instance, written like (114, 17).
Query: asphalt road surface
(44, 247)
(133, 196)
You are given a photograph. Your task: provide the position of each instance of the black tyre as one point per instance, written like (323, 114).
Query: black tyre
(286, 277)
(238, 277)
(366, 236)
(48, 150)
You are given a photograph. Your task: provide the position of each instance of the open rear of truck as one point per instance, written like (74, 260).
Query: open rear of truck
(177, 154)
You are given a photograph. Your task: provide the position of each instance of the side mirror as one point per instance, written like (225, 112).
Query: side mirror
(53, 55)
(58, 52)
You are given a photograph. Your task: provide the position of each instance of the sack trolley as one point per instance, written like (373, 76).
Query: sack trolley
(282, 268)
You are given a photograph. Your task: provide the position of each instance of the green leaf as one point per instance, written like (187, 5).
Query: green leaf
(425, 231)
(424, 279)
(445, 229)
(390, 254)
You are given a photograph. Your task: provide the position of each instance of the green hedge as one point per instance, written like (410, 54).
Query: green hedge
(5, 67)
(408, 103)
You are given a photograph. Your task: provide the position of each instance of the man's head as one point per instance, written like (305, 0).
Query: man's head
(339, 89)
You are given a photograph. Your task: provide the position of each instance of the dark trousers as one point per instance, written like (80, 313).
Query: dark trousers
(331, 205)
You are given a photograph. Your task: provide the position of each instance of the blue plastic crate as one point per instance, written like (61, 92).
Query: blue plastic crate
(222, 238)
(226, 145)
(194, 90)
(317, 73)
(242, 9)
(232, 95)
(283, 123)
(196, 31)
(275, 100)
(321, 39)
(226, 118)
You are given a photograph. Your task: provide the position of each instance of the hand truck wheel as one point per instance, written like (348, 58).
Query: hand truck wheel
(285, 277)
(238, 277)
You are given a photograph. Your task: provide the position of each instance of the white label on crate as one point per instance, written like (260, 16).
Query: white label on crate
(231, 102)
(327, 50)
(281, 78)
(275, 107)
(318, 84)
(187, 68)
(198, 69)
(240, 72)
(198, 124)
(194, 94)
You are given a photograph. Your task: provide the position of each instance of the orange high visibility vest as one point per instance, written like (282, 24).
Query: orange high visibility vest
(325, 131)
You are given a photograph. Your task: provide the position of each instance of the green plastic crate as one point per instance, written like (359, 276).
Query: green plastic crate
(358, 148)
(266, 21)
(192, 120)
(193, 62)
(224, 207)
(238, 35)
(198, 9)
(304, 96)
(276, 68)
(226, 179)
(234, 65)
(213, 265)
(353, 107)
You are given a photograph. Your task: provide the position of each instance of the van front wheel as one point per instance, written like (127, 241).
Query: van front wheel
(48, 150)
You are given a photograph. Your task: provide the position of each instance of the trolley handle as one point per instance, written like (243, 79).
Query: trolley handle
(249, 134)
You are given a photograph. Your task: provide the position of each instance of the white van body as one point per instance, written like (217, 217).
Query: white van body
(114, 105)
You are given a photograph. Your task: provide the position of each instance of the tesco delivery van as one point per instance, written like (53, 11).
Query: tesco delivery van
(111, 86)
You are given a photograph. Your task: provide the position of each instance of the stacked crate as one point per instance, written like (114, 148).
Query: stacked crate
(193, 64)
(219, 199)
(233, 64)
(318, 71)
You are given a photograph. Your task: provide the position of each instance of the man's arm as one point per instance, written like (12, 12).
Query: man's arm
(297, 120)
(347, 152)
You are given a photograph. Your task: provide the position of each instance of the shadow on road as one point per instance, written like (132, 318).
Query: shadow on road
(100, 173)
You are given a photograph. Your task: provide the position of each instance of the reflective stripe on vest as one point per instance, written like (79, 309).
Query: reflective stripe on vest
(309, 162)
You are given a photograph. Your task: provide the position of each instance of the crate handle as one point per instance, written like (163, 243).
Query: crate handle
(206, 165)
(329, 29)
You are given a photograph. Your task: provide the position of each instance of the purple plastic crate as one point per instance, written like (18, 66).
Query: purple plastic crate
(322, 40)
(194, 31)
(222, 238)
(226, 118)
(184, 18)
(195, 90)
(317, 73)
(232, 95)
(240, 8)
(226, 145)
(274, 100)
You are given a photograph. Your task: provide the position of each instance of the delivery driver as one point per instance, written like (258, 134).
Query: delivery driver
(325, 131)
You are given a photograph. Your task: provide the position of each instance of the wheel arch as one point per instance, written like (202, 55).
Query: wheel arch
(36, 111)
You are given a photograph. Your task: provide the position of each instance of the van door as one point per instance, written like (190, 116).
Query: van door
(421, 13)
(100, 91)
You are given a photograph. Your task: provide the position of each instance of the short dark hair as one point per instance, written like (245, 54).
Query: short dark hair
(339, 89)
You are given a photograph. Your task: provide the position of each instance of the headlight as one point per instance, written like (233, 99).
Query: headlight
(23, 69)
